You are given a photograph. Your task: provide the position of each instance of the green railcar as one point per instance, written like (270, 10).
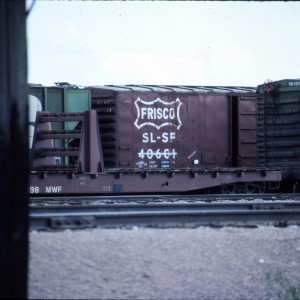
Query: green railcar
(278, 126)
(62, 98)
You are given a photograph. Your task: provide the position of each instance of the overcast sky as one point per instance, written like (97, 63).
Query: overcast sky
(155, 42)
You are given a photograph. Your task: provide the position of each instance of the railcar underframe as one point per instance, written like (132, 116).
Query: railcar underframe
(83, 170)
(118, 181)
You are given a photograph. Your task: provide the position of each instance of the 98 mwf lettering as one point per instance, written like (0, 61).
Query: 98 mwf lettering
(48, 189)
(153, 113)
(165, 137)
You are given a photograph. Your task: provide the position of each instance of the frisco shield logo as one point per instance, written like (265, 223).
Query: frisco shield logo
(167, 113)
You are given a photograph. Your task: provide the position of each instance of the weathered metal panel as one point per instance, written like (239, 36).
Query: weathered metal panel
(247, 154)
(278, 122)
(61, 99)
(168, 126)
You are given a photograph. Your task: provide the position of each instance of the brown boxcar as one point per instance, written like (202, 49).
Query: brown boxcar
(176, 126)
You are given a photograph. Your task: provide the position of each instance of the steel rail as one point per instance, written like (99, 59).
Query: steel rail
(163, 198)
(165, 215)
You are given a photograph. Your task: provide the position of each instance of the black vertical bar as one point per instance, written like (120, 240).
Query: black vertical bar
(13, 151)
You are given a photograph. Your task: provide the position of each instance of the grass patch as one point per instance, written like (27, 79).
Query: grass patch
(280, 288)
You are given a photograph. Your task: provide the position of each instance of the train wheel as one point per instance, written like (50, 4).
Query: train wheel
(243, 188)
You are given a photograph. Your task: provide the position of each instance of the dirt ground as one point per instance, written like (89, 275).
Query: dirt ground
(144, 263)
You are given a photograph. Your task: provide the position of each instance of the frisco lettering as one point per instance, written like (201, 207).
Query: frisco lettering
(153, 113)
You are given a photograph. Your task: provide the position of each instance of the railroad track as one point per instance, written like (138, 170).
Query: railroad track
(251, 211)
(164, 198)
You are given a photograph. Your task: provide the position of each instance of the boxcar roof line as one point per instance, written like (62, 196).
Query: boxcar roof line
(177, 88)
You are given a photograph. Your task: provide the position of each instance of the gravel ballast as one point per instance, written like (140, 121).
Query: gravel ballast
(148, 263)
